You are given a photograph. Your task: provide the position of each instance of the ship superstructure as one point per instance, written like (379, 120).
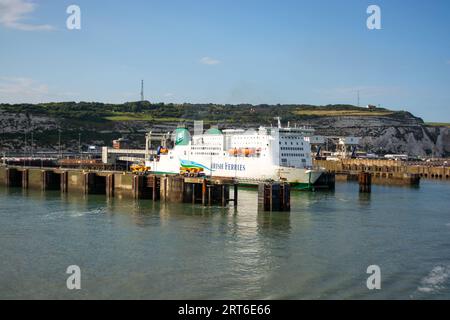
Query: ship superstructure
(251, 156)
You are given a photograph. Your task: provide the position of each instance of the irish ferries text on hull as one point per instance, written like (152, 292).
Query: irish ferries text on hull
(251, 156)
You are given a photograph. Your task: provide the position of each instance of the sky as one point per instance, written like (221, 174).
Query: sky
(229, 51)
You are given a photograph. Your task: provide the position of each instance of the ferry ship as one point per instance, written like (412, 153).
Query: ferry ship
(251, 156)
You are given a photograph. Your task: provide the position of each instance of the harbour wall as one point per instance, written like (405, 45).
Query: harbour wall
(385, 171)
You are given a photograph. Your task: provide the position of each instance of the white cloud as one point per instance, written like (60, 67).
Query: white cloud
(21, 86)
(209, 61)
(14, 12)
(26, 90)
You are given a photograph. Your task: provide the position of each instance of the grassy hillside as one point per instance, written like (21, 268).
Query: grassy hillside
(98, 123)
(160, 112)
(342, 113)
(438, 124)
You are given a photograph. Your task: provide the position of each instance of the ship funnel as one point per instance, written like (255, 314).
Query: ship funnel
(198, 127)
(279, 121)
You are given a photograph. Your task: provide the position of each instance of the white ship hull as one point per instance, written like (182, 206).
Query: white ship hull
(246, 170)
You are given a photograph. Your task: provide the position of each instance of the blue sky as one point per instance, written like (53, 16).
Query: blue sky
(229, 51)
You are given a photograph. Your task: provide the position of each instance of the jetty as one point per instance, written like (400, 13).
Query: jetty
(167, 188)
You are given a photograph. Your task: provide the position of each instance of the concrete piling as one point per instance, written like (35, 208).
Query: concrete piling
(218, 194)
(145, 187)
(195, 190)
(326, 181)
(172, 189)
(25, 178)
(50, 180)
(155, 186)
(36, 179)
(3, 175)
(365, 182)
(64, 181)
(123, 185)
(138, 182)
(274, 196)
(13, 177)
(110, 185)
(222, 196)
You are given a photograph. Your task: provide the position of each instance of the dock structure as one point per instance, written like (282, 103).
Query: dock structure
(389, 172)
(205, 191)
(274, 196)
(167, 188)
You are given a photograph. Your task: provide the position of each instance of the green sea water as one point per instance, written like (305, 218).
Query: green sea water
(149, 250)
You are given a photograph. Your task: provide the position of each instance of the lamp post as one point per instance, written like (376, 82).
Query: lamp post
(25, 149)
(32, 143)
(59, 143)
(79, 149)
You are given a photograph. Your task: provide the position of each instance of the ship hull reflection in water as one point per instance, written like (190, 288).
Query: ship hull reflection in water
(152, 250)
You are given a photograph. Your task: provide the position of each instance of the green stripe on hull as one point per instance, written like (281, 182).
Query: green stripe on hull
(298, 186)
(302, 186)
(160, 173)
(294, 186)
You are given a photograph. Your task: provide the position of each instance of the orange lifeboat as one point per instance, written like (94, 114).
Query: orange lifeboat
(249, 152)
